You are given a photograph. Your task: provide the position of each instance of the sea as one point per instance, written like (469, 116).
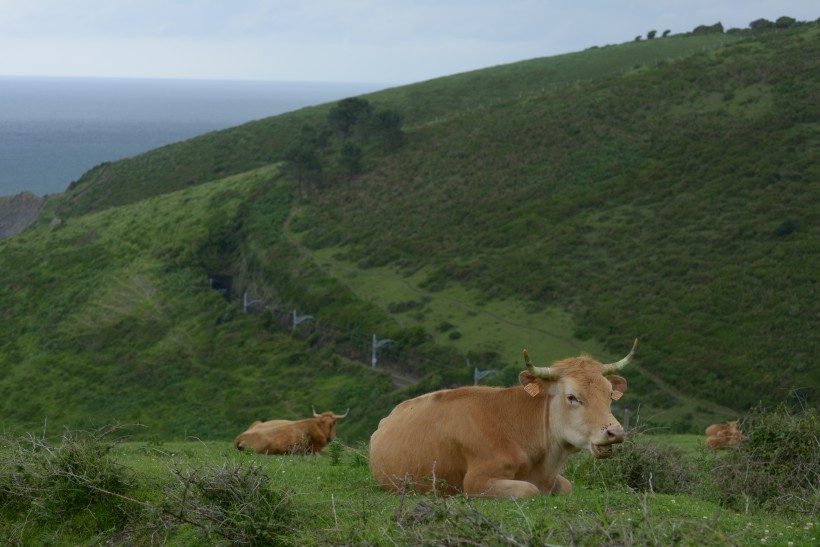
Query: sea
(52, 130)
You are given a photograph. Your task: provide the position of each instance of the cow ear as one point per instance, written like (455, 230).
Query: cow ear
(618, 386)
(532, 385)
(526, 377)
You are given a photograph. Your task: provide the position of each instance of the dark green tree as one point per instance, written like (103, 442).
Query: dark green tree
(303, 155)
(651, 34)
(351, 156)
(347, 114)
(708, 29)
(785, 22)
(386, 125)
(761, 24)
(665, 33)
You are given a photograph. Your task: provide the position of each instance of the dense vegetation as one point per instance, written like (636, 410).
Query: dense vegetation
(659, 189)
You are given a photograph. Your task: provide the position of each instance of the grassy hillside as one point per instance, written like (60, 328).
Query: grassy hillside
(660, 190)
(110, 317)
(675, 203)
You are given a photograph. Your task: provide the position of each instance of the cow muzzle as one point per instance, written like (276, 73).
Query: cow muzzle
(613, 434)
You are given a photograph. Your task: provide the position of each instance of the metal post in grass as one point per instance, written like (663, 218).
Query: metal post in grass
(376, 345)
(297, 319)
(479, 374)
(248, 303)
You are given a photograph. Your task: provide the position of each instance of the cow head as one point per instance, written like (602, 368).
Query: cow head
(579, 391)
(327, 421)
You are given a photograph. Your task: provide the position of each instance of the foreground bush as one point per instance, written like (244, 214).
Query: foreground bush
(75, 483)
(233, 502)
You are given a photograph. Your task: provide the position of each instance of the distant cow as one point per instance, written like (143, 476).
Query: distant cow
(308, 436)
(501, 442)
(274, 423)
(723, 435)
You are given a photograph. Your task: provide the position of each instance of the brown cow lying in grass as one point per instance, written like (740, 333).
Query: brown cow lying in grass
(724, 435)
(308, 436)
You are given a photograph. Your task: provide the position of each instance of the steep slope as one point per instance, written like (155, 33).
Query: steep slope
(111, 318)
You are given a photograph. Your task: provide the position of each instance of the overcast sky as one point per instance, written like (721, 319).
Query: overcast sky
(374, 41)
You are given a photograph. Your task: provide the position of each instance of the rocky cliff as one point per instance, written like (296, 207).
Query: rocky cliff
(17, 212)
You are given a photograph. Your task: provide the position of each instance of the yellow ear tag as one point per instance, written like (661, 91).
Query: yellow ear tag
(617, 395)
(533, 389)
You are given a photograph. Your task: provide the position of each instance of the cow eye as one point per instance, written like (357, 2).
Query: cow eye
(573, 399)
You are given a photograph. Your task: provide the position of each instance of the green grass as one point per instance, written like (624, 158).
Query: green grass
(332, 500)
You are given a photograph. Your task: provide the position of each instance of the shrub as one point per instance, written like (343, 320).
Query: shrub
(777, 467)
(641, 465)
(235, 502)
(76, 482)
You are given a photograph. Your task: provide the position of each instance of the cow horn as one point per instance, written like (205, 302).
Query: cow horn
(612, 368)
(545, 373)
(337, 416)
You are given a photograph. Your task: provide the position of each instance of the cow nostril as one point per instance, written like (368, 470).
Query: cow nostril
(615, 432)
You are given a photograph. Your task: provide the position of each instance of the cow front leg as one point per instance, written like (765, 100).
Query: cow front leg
(561, 486)
(479, 483)
(550, 483)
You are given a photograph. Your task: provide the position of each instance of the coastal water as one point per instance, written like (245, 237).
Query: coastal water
(52, 130)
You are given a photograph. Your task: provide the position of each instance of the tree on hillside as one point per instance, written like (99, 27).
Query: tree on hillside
(386, 125)
(348, 113)
(708, 29)
(761, 24)
(785, 22)
(351, 157)
(651, 34)
(303, 156)
(665, 33)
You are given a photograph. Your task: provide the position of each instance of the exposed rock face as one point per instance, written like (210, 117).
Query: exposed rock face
(17, 212)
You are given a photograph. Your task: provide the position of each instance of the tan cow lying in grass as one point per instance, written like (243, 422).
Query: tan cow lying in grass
(308, 436)
(724, 435)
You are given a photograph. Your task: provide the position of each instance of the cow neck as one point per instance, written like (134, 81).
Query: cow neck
(556, 452)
